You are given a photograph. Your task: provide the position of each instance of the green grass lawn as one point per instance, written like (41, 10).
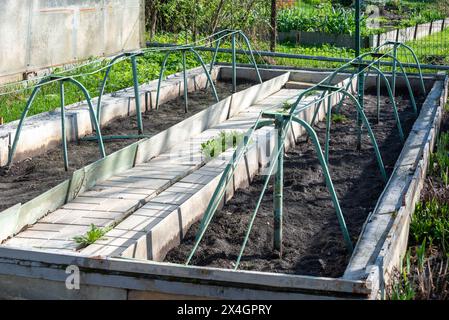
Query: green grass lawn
(11, 105)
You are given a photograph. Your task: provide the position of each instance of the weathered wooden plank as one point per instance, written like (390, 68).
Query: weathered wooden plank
(151, 185)
(20, 287)
(116, 193)
(144, 275)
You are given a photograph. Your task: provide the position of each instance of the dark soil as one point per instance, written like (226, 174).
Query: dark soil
(312, 241)
(29, 178)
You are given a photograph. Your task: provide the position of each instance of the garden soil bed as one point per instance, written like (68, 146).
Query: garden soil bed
(29, 178)
(312, 241)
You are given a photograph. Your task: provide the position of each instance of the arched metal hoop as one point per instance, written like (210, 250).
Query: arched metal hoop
(184, 51)
(29, 105)
(412, 52)
(233, 34)
(132, 56)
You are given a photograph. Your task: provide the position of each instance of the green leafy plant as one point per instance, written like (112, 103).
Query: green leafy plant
(225, 140)
(320, 18)
(430, 223)
(402, 288)
(286, 106)
(421, 255)
(339, 118)
(95, 233)
(439, 160)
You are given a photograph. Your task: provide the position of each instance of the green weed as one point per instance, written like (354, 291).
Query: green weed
(225, 140)
(439, 160)
(95, 233)
(339, 118)
(402, 288)
(430, 224)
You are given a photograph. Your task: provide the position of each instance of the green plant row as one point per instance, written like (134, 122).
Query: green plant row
(322, 18)
(212, 148)
(333, 18)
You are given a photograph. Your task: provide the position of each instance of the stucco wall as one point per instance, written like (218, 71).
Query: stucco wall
(37, 34)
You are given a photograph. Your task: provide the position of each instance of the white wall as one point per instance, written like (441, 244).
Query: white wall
(37, 34)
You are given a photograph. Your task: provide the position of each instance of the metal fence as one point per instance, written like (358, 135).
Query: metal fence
(312, 33)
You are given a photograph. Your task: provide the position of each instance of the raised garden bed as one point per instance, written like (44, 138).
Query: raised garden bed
(313, 243)
(28, 178)
(31, 271)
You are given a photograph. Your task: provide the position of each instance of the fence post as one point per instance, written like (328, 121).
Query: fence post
(416, 31)
(431, 27)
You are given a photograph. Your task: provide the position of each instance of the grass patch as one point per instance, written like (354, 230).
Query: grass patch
(286, 107)
(402, 288)
(95, 233)
(212, 148)
(148, 66)
(439, 160)
(430, 223)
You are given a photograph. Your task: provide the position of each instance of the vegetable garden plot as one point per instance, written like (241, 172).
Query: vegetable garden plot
(313, 244)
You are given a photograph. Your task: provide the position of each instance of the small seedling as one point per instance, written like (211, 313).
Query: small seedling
(403, 288)
(421, 255)
(339, 118)
(215, 146)
(310, 93)
(439, 160)
(286, 106)
(95, 233)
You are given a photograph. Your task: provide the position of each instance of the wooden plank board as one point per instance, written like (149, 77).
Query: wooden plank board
(116, 193)
(141, 184)
(149, 275)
